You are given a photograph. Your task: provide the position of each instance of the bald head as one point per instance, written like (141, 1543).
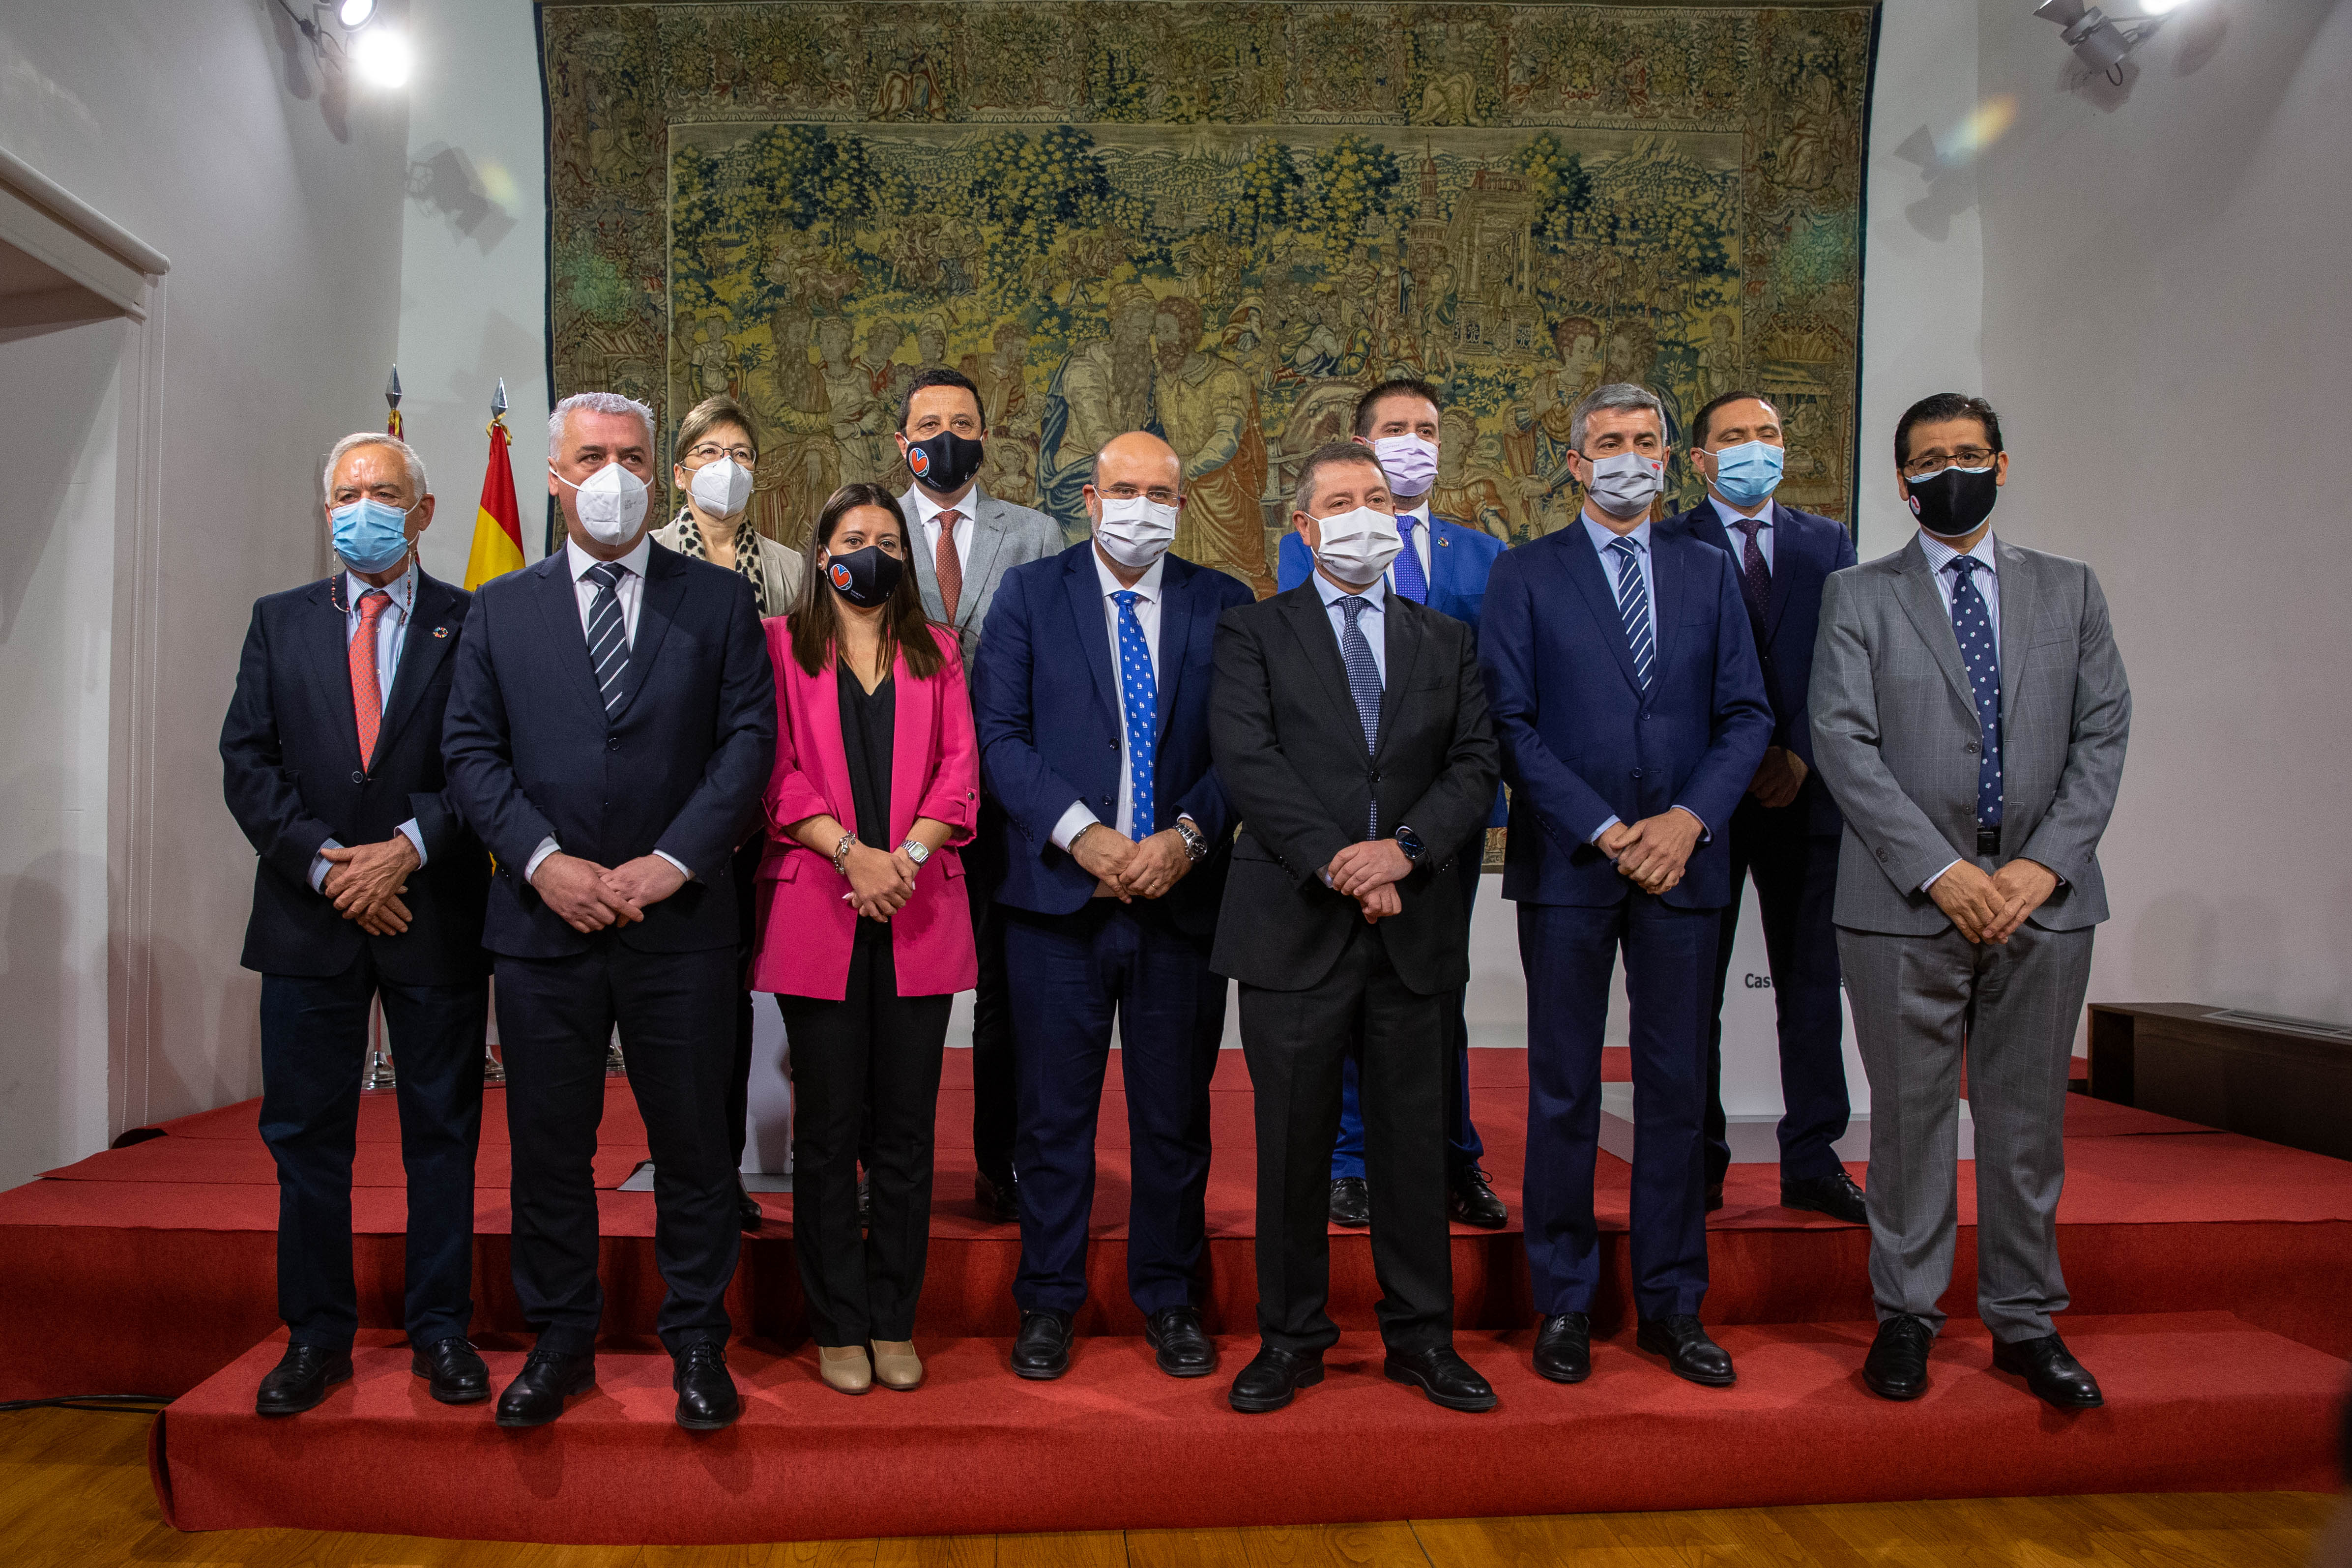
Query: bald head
(1138, 464)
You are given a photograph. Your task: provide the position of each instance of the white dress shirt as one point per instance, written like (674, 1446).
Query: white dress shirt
(1940, 555)
(391, 639)
(1613, 562)
(1147, 616)
(631, 591)
(927, 519)
(1730, 515)
(1372, 619)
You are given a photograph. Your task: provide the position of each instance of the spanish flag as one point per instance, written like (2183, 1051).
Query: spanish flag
(498, 522)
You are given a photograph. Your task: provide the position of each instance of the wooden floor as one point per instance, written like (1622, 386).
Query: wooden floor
(74, 1493)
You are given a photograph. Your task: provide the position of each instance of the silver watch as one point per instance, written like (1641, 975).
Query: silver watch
(918, 851)
(1196, 847)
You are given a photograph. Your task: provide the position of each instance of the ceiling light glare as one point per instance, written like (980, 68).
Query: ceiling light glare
(382, 58)
(353, 14)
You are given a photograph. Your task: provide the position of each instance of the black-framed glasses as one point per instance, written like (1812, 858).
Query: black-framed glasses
(712, 451)
(1926, 463)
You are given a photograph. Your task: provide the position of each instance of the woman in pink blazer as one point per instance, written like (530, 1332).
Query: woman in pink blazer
(864, 927)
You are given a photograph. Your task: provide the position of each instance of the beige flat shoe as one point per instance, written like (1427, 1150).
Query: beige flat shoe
(896, 1364)
(844, 1367)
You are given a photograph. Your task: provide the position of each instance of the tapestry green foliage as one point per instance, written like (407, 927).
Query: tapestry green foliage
(1355, 181)
(1268, 195)
(1561, 187)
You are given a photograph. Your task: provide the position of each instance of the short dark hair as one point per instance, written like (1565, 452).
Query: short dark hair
(1946, 405)
(1699, 421)
(1403, 387)
(939, 375)
(1330, 454)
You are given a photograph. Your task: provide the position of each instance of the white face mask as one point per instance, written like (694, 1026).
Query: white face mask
(721, 489)
(1357, 545)
(1135, 530)
(611, 504)
(1624, 483)
(1410, 462)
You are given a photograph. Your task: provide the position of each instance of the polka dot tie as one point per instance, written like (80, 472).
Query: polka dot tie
(1411, 582)
(1139, 694)
(1980, 656)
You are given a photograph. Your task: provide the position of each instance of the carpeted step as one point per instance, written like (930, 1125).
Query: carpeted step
(2197, 1401)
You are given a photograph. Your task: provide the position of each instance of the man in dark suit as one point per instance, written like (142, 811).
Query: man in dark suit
(1785, 830)
(612, 728)
(369, 885)
(1349, 727)
(1443, 565)
(1092, 698)
(1631, 716)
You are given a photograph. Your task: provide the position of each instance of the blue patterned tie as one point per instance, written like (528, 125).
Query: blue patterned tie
(1141, 693)
(1364, 686)
(608, 637)
(1633, 608)
(1411, 583)
(1972, 625)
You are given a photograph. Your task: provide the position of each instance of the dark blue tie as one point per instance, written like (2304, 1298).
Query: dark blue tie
(1363, 685)
(1411, 581)
(608, 637)
(1980, 657)
(1141, 699)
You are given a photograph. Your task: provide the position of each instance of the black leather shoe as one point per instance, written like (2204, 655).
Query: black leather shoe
(301, 1379)
(999, 1200)
(1271, 1378)
(1042, 1351)
(747, 1213)
(1179, 1343)
(1835, 1197)
(1896, 1366)
(1470, 1198)
(707, 1399)
(1351, 1202)
(1689, 1354)
(1446, 1377)
(2055, 1377)
(536, 1397)
(456, 1374)
(1714, 1196)
(1564, 1347)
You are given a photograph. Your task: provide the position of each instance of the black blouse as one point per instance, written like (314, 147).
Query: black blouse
(868, 720)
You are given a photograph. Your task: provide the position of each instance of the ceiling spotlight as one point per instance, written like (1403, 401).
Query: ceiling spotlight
(382, 56)
(2095, 38)
(353, 14)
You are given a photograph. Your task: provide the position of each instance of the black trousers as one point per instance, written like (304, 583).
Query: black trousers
(1075, 973)
(1295, 1042)
(1796, 886)
(865, 1068)
(995, 1098)
(314, 1040)
(676, 1012)
(1463, 1147)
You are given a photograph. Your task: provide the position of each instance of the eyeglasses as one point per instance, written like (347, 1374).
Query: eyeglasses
(1926, 463)
(1163, 494)
(712, 451)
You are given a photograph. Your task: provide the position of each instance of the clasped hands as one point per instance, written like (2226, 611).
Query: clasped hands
(590, 897)
(1128, 871)
(1652, 852)
(880, 880)
(1369, 872)
(365, 883)
(1990, 909)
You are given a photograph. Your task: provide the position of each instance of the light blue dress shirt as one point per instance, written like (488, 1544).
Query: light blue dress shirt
(391, 639)
(1373, 619)
(1729, 516)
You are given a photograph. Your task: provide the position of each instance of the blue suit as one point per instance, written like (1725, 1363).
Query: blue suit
(1052, 726)
(1459, 561)
(1792, 853)
(1583, 741)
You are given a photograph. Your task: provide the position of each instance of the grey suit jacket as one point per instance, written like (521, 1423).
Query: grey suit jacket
(1895, 735)
(1003, 536)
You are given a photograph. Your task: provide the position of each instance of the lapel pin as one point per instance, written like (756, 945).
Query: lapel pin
(440, 631)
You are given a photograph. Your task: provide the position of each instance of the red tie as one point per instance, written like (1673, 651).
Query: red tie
(949, 564)
(367, 694)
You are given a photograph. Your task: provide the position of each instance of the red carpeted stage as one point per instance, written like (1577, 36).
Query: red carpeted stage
(2208, 1272)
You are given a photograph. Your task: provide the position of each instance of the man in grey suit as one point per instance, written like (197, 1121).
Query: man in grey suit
(965, 540)
(1969, 715)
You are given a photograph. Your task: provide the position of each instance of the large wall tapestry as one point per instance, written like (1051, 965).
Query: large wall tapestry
(1218, 221)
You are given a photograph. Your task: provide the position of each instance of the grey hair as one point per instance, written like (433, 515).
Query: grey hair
(596, 402)
(1617, 395)
(417, 488)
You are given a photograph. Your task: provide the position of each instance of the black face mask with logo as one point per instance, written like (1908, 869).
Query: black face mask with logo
(946, 462)
(1951, 502)
(866, 578)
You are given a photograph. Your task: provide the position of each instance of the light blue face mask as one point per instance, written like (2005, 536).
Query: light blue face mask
(1748, 472)
(370, 535)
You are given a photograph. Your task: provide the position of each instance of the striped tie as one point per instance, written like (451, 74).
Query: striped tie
(1633, 608)
(608, 637)
(1364, 686)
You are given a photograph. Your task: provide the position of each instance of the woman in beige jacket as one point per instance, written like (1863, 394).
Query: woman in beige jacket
(718, 446)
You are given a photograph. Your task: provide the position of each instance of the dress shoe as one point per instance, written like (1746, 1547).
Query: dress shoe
(1470, 1198)
(301, 1379)
(707, 1399)
(1714, 1196)
(844, 1368)
(999, 1200)
(1041, 1350)
(1896, 1366)
(2055, 1377)
(456, 1374)
(1835, 1197)
(1689, 1354)
(536, 1395)
(896, 1365)
(1271, 1378)
(1446, 1377)
(1179, 1343)
(747, 1213)
(1564, 1347)
(1351, 1202)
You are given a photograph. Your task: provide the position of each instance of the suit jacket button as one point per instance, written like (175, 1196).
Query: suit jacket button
(1882, 855)
(359, 778)
(1637, 772)
(612, 742)
(1971, 748)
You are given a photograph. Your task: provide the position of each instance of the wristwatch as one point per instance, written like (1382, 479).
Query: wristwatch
(1409, 842)
(918, 851)
(849, 841)
(1196, 847)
